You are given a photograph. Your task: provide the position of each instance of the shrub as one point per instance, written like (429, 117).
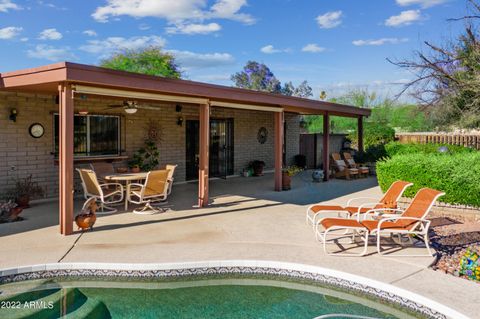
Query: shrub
(300, 160)
(397, 148)
(458, 175)
(374, 133)
(373, 153)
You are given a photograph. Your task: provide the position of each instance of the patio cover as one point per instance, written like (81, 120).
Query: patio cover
(66, 79)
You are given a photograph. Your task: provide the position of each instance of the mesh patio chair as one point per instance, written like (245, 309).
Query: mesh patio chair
(102, 169)
(412, 222)
(105, 193)
(155, 189)
(389, 203)
(171, 170)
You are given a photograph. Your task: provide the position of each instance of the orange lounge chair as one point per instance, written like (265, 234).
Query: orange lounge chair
(411, 222)
(387, 202)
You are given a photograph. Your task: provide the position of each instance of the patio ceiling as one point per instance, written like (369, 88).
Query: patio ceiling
(46, 79)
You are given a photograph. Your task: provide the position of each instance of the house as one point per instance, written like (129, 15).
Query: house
(63, 115)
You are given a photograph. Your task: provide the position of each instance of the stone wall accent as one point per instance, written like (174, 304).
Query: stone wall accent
(21, 154)
(292, 134)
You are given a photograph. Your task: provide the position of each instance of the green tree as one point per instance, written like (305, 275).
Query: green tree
(151, 61)
(447, 76)
(257, 76)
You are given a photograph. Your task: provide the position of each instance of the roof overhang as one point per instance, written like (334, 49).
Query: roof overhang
(46, 79)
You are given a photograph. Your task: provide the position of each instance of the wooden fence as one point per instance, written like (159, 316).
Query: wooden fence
(468, 140)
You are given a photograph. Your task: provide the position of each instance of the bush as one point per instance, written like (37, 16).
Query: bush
(458, 174)
(300, 160)
(373, 153)
(374, 134)
(397, 148)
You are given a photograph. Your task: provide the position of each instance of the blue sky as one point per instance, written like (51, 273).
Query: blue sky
(334, 45)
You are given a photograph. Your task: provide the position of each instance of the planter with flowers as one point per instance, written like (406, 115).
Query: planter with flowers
(24, 190)
(9, 212)
(287, 174)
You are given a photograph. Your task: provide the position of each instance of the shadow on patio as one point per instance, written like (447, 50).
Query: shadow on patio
(234, 195)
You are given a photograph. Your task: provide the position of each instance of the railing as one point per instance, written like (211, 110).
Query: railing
(468, 140)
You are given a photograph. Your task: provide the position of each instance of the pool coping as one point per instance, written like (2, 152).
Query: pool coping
(374, 288)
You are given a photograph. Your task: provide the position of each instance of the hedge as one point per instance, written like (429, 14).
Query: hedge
(396, 148)
(458, 175)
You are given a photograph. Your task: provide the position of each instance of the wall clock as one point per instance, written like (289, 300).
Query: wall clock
(36, 130)
(262, 135)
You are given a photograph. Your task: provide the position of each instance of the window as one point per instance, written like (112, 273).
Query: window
(93, 135)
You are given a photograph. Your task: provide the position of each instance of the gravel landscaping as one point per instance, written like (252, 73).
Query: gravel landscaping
(458, 247)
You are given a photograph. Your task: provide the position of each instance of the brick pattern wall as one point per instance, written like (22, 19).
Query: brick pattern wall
(21, 155)
(292, 134)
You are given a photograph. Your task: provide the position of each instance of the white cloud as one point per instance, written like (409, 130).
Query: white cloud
(404, 18)
(422, 3)
(50, 34)
(330, 19)
(194, 28)
(191, 60)
(144, 26)
(90, 33)
(50, 53)
(6, 5)
(24, 39)
(174, 11)
(312, 48)
(111, 45)
(269, 49)
(381, 41)
(228, 9)
(9, 32)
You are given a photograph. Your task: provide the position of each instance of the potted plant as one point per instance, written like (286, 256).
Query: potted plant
(257, 167)
(24, 190)
(9, 211)
(146, 158)
(287, 174)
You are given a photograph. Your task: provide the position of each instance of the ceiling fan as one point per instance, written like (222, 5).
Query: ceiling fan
(131, 107)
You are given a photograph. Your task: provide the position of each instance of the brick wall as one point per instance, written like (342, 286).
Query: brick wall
(21, 155)
(292, 134)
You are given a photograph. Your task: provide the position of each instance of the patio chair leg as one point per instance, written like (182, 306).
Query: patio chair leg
(148, 209)
(104, 210)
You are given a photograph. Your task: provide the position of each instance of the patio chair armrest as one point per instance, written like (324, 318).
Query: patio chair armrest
(112, 184)
(382, 211)
(424, 221)
(134, 185)
(349, 202)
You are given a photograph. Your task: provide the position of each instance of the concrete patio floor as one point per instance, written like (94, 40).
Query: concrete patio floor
(246, 220)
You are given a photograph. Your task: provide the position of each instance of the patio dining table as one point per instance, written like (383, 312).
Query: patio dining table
(127, 178)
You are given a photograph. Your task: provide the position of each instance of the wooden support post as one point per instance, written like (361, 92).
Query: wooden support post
(204, 149)
(65, 158)
(360, 134)
(326, 147)
(278, 150)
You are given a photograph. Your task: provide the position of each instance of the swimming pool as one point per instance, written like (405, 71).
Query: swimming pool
(221, 289)
(186, 298)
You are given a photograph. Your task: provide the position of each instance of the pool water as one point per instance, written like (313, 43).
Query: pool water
(226, 298)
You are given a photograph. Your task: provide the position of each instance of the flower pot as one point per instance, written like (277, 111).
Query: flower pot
(23, 201)
(286, 182)
(135, 170)
(14, 212)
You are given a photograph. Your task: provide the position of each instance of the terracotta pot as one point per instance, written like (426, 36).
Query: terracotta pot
(135, 170)
(23, 201)
(14, 212)
(286, 182)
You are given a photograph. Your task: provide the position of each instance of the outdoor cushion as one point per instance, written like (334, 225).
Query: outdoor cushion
(340, 165)
(351, 162)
